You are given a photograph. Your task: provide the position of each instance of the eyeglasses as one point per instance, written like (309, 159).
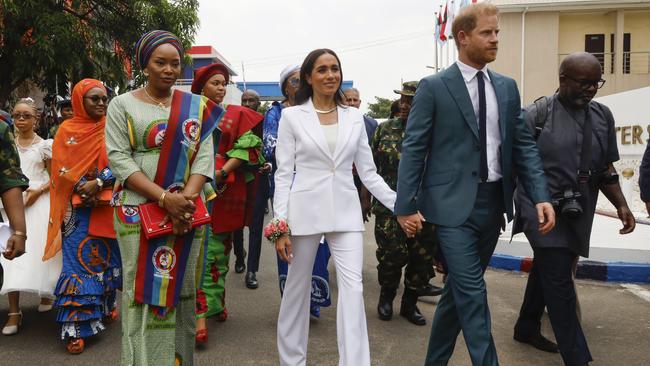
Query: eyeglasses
(585, 84)
(294, 82)
(95, 99)
(19, 116)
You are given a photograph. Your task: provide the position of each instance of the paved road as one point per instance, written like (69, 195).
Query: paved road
(616, 323)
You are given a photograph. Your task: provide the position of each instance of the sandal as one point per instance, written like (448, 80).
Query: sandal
(201, 336)
(111, 317)
(222, 316)
(75, 346)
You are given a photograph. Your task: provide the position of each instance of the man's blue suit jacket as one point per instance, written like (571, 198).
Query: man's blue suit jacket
(438, 170)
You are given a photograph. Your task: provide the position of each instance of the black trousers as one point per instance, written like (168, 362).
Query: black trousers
(255, 229)
(550, 285)
(257, 223)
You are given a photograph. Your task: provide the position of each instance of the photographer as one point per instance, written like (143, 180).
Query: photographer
(577, 143)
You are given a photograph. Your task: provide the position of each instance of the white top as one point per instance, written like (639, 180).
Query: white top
(331, 134)
(493, 137)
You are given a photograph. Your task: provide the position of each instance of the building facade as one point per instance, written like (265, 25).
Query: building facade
(537, 34)
(203, 56)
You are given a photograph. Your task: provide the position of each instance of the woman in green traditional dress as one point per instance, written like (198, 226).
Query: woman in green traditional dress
(135, 130)
(238, 158)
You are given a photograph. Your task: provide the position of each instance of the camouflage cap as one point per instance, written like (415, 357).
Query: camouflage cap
(408, 88)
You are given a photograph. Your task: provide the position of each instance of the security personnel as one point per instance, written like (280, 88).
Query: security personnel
(577, 143)
(12, 185)
(394, 249)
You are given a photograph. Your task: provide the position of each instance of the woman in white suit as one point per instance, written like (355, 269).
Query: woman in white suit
(319, 140)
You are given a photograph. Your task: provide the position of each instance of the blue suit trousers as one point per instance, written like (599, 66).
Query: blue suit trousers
(463, 305)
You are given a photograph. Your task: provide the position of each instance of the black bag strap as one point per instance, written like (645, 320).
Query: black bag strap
(584, 172)
(541, 106)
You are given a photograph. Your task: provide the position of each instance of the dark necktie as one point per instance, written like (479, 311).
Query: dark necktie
(482, 131)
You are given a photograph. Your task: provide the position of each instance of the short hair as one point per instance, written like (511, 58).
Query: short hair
(353, 89)
(252, 91)
(468, 17)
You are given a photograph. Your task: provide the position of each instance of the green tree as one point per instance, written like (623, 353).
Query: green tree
(46, 41)
(264, 107)
(380, 108)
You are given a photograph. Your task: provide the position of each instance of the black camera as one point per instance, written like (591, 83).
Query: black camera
(568, 203)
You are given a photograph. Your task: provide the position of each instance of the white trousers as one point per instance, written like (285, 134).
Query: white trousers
(293, 321)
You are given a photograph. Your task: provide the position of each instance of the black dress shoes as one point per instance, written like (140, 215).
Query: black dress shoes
(240, 266)
(409, 308)
(538, 341)
(430, 290)
(251, 280)
(385, 305)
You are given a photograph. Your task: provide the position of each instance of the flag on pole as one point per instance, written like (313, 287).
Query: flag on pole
(443, 26)
(450, 21)
(437, 27)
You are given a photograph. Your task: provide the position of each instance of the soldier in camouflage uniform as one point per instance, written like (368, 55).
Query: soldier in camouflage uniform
(12, 185)
(394, 249)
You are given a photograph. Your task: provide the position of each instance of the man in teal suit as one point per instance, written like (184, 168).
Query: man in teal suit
(465, 140)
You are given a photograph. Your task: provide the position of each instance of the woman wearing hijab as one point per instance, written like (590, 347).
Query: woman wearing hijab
(238, 158)
(318, 141)
(159, 149)
(29, 273)
(79, 209)
(320, 295)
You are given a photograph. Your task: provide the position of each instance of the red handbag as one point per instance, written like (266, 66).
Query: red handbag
(151, 215)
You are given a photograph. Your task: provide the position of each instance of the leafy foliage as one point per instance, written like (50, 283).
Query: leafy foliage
(380, 109)
(67, 40)
(264, 107)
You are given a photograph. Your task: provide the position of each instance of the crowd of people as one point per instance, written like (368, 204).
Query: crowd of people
(180, 175)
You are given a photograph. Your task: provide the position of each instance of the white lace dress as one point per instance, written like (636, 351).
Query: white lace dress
(28, 272)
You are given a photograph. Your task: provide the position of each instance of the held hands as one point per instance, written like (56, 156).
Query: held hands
(545, 216)
(180, 209)
(15, 247)
(411, 224)
(283, 247)
(627, 218)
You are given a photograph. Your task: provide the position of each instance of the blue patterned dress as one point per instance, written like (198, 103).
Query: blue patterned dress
(91, 274)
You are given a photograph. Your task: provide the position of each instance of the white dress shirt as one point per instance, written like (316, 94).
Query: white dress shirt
(493, 137)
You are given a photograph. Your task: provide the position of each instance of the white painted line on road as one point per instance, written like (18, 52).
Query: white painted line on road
(638, 291)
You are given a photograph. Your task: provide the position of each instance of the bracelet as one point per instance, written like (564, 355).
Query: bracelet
(276, 229)
(161, 199)
(20, 234)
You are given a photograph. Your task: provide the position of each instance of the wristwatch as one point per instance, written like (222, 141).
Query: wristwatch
(224, 174)
(100, 182)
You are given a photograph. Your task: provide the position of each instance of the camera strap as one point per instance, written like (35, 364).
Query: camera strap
(584, 172)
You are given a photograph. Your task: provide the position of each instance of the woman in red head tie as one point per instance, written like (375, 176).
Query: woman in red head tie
(238, 157)
(79, 209)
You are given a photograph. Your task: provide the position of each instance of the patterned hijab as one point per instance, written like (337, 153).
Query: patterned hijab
(79, 145)
(150, 41)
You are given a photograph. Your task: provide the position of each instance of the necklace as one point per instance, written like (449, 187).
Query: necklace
(160, 103)
(324, 112)
(28, 145)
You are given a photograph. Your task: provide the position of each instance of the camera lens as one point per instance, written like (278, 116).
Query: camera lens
(571, 208)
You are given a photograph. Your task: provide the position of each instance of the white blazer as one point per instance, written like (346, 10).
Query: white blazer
(321, 196)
